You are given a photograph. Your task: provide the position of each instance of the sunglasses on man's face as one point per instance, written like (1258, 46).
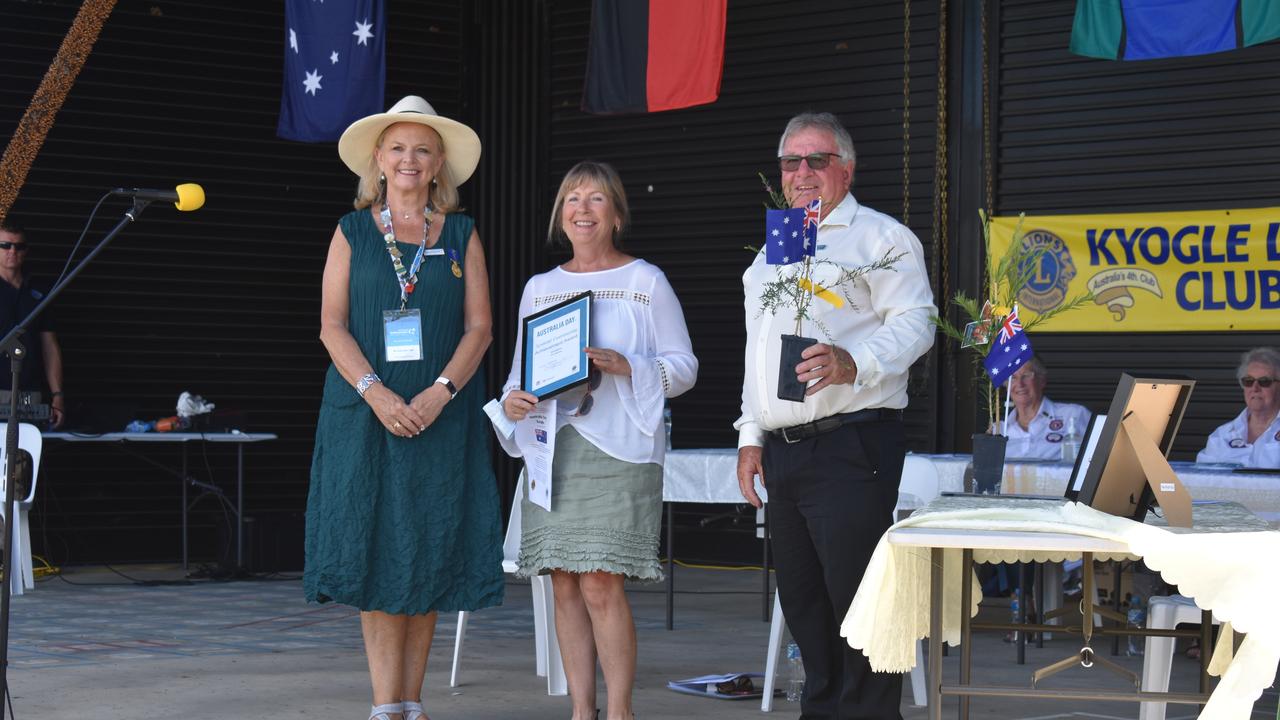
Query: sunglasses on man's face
(16, 247)
(1263, 382)
(817, 161)
(594, 378)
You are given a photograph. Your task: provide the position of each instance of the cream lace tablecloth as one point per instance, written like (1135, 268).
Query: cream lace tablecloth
(1225, 562)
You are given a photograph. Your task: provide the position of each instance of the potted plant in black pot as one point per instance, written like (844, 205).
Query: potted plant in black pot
(791, 238)
(991, 327)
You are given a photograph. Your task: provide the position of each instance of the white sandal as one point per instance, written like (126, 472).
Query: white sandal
(384, 712)
(414, 711)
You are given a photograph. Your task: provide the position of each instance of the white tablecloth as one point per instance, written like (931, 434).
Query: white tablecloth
(1215, 562)
(703, 476)
(1260, 492)
(710, 476)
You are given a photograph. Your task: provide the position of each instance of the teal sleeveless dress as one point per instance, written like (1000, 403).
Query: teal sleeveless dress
(403, 525)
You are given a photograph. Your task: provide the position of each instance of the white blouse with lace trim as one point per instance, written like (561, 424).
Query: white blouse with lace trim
(635, 312)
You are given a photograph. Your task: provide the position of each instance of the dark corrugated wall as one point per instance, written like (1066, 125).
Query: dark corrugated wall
(1078, 135)
(223, 302)
(691, 178)
(508, 101)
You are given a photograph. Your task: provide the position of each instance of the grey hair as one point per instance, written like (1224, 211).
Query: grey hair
(1038, 367)
(821, 121)
(1265, 355)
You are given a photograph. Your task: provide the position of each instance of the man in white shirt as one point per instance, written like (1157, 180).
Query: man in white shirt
(832, 463)
(1039, 428)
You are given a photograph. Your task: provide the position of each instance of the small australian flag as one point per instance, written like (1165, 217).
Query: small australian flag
(1009, 350)
(791, 234)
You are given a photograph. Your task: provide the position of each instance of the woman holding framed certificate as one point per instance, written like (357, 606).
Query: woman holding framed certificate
(402, 516)
(606, 479)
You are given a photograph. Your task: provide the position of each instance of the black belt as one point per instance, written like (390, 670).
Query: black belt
(796, 433)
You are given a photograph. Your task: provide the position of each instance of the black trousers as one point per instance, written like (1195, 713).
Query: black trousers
(831, 497)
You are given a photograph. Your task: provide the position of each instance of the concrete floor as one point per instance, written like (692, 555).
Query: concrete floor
(107, 648)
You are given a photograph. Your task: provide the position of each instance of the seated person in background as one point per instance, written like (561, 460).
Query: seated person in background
(1252, 439)
(1038, 426)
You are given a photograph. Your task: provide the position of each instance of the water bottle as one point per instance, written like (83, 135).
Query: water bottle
(795, 673)
(1070, 444)
(1137, 617)
(666, 423)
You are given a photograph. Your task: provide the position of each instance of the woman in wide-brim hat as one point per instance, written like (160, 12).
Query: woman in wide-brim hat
(402, 516)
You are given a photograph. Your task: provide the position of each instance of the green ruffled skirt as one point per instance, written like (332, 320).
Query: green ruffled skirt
(605, 515)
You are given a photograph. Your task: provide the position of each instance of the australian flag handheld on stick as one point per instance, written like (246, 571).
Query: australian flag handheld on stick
(1009, 350)
(334, 67)
(791, 234)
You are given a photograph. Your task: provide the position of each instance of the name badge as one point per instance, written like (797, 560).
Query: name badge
(402, 334)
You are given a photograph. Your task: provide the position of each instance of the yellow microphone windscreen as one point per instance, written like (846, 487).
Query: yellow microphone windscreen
(190, 197)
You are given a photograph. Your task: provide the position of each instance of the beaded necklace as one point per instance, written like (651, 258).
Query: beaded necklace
(406, 278)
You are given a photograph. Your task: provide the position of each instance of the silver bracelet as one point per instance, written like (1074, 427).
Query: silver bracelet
(364, 383)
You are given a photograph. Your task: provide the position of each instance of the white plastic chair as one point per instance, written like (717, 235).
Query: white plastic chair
(22, 577)
(545, 645)
(1164, 612)
(918, 487)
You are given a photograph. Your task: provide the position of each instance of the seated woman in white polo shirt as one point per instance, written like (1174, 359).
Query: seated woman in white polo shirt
(1252, 439)
(1037, 427)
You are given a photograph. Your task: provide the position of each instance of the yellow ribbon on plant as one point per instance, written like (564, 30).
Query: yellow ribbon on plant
(821, 292)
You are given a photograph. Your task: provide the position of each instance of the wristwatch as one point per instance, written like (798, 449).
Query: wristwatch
(448, 384)
(364, 383)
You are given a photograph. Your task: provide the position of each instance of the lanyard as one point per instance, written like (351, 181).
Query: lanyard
(406, 279)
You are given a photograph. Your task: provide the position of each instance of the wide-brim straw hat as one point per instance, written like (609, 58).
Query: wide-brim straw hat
(461, 144)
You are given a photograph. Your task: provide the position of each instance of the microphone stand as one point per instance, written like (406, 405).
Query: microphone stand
(12, 346)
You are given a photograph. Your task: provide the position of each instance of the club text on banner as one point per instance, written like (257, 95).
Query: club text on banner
(1212, 270)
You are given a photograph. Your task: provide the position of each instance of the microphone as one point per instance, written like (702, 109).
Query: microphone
(186, 197)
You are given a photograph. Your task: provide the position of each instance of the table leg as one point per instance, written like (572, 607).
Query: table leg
(966, 635)
(240, 507)
(1020, 617)
(1041, 574)
(183, 481)
(935, 634)
(1206, 648)
(1115, 603)
(671, 567)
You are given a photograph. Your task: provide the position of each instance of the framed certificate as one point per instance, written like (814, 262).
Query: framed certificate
(552, 358)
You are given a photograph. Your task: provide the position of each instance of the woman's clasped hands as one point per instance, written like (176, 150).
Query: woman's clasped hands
(407, 419)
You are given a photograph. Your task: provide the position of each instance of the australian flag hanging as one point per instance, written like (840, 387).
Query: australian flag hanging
(791, 234)
(334, 67)
(1009, 350)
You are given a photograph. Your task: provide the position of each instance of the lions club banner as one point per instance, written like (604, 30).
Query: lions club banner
(1212, 270)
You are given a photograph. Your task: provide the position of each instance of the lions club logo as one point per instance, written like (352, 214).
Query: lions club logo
(1047, 286)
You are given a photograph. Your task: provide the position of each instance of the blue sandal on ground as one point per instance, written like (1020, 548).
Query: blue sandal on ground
(384, 712)
(413, 711)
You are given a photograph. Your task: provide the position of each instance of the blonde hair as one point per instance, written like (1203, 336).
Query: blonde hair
(603, 175)
(443, 194)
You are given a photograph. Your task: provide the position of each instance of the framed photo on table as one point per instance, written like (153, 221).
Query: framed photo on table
(552, 358)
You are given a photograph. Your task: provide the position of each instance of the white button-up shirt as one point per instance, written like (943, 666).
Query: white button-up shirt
(1230, 444)
(1048, 430)
(885, 329)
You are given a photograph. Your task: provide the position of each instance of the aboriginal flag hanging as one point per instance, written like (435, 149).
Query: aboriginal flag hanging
(654, 55)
